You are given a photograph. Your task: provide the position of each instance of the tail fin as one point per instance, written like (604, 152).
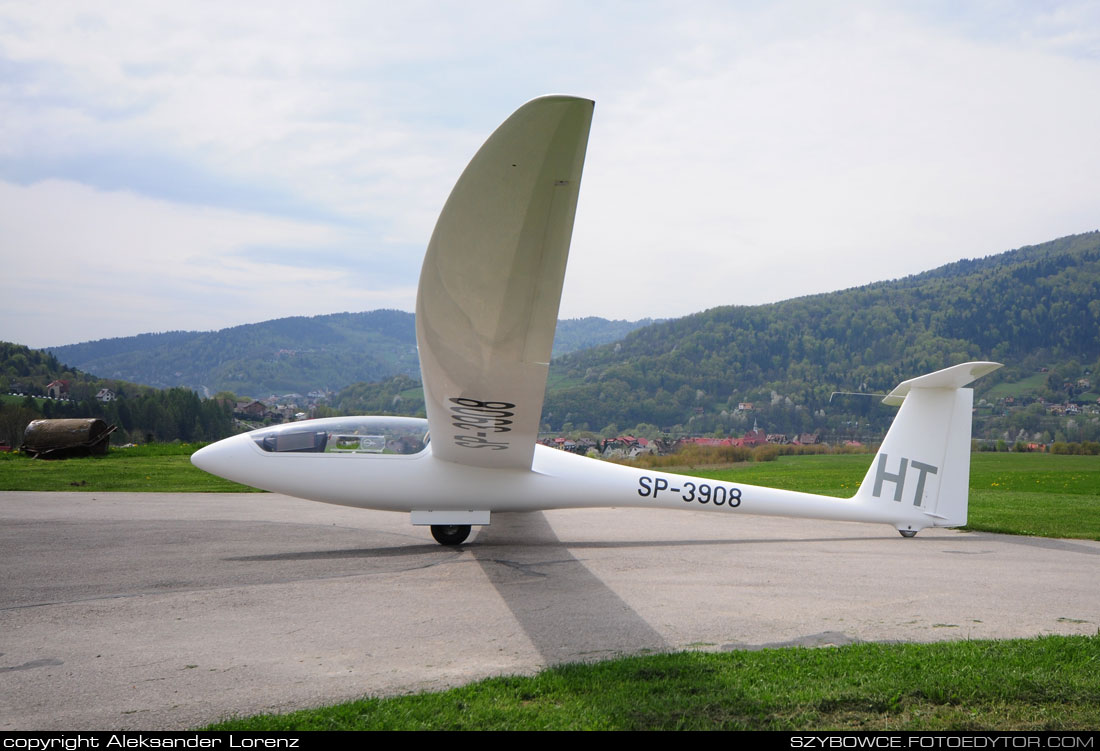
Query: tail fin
(924, 462)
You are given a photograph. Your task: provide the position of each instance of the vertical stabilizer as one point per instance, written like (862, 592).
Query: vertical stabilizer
(923, 464)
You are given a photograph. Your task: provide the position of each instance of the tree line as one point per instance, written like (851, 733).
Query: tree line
(142, 414)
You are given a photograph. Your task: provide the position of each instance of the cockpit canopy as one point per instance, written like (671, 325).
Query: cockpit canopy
(346, 435)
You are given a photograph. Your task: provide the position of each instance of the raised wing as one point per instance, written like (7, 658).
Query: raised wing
(491, 284)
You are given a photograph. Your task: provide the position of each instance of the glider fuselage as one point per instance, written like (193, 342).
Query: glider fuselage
(421, 482)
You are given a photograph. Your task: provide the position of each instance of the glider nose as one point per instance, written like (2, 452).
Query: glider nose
(226, 458)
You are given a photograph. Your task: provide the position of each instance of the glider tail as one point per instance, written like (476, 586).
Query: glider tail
(923, 465)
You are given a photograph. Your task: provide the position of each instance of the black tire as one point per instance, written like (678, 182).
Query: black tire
(450, 534)
(907, 533)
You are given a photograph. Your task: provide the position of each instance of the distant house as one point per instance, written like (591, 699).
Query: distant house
(626, 445)
(253, 409)
(755, 437)
(584, 445)
(286, 412)
(713, 441)
(58, 389)
(105, 395)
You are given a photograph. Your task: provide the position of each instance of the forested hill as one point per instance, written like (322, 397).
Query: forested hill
(325, 352)
(1029, 308)
(274, 357)
(573, 334)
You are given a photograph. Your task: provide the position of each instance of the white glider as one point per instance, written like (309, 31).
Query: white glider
(486, 311)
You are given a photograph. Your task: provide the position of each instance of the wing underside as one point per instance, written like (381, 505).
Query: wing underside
(491, 283)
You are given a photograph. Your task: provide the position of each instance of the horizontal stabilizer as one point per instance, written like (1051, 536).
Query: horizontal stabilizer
(954, 377)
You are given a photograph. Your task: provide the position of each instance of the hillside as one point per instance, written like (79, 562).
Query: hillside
(1030, 308)
(326, 352)
(281, 356)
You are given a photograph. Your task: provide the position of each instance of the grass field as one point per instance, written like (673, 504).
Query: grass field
(1026, 494)
(17, 400)
(1029, 385)
(162, 468)
(1021, 494)
(1051, 683)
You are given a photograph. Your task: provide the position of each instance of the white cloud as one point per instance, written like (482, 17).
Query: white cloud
(741, 153)
(869, 148)
(115, 264)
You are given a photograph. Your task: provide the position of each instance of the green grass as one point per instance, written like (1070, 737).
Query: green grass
(415, 395)
(17, 400)
(1050, 683)
(1036, 494)
(827, 474)
(1023, 387)
(557, 380)
(163, 468)
(1024, 494)
(1020, 494)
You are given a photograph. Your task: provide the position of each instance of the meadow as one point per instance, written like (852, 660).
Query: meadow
(1027, 494)
(1046, 495)
(153, 468)
(1049, 683)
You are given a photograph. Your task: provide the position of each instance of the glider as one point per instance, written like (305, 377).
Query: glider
(486, 310)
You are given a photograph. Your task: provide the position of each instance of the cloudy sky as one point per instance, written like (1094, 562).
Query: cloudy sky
(205, 164)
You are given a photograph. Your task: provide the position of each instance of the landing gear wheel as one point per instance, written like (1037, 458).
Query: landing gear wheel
(904, 532)
(450, 534)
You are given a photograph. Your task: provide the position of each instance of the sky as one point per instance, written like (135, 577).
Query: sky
(199, 165)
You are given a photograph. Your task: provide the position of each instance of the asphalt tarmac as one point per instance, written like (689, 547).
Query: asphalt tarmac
(167, 611)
